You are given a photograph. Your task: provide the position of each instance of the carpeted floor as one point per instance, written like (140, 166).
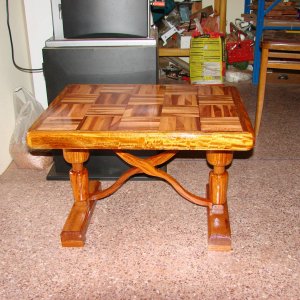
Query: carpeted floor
(146, 242)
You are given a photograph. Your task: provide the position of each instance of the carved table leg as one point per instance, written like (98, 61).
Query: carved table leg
(73, 233)
(219, 236)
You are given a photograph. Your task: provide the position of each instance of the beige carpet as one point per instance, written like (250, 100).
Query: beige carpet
(146, 242)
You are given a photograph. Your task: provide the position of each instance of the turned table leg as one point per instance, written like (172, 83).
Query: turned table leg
(73, 233)
(219, 236)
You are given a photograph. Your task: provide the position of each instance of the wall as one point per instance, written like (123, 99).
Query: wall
(39, 29)
(234, 9)
(10, 77)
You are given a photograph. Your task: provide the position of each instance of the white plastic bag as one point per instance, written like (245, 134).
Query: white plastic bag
(27, 110)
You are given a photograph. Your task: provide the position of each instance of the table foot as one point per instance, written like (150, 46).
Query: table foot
(219, 234)
(74, 231)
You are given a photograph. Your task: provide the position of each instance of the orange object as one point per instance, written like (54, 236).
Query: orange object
(160, 3)
(121, 117)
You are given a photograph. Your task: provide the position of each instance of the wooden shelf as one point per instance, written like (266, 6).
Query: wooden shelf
(173, 52)
(284, 23)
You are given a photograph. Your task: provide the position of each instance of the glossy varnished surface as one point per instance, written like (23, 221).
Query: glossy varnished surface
(281, 40)
(160, 117)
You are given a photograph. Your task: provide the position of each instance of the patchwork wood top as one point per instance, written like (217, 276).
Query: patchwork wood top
(177, 117)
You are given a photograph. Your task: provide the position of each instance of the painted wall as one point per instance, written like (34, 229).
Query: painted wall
(39, 29)
(234, 9)
(10, 77)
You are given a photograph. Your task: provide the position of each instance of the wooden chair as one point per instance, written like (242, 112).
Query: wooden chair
(280, 50)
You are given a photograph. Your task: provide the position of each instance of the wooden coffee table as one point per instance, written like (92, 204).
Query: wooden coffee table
(84, 117)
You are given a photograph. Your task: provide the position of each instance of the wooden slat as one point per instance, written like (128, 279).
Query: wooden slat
(280, 64)
(173, 52)
(285, 23)
(284, 55)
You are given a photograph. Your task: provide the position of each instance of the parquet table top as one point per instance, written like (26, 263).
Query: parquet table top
(161, 117)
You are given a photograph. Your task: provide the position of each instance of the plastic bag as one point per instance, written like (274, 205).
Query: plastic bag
(236, 75)
(27, 110)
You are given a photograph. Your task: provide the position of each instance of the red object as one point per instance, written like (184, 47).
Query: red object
(239, 50)
(159, 3)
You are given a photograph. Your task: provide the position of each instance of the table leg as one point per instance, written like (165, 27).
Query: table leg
(219, 236)
(73, 233)
(261, 88)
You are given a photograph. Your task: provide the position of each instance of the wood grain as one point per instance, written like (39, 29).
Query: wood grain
(219, 233)
(154, 117)
(74, 230)
(146, 117)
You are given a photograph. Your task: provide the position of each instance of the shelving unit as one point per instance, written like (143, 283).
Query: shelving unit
(261, 26)
(220, 7)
